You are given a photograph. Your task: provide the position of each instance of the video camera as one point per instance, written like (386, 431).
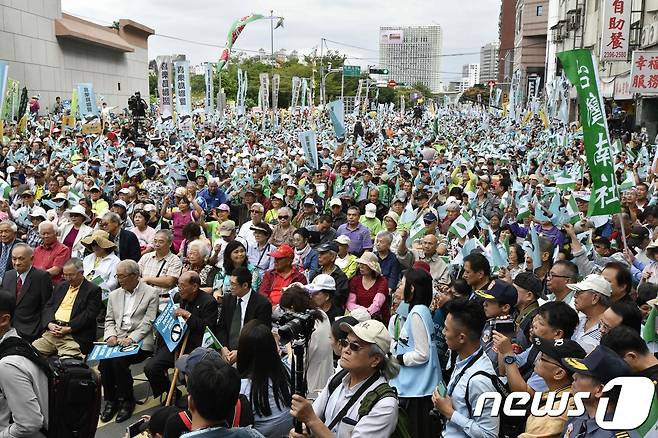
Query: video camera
(137, 105)
(296, 326)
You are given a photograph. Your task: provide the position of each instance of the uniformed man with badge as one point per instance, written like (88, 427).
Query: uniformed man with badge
(590, 375)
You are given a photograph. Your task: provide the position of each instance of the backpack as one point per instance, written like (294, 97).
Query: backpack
(510, 427)
(382, 391)
(74, 391)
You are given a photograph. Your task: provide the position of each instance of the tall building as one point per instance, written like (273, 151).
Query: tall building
(531, 30)
(489, 62)
(506, 42)
(471, 73)
(49, 52)
(412, 54)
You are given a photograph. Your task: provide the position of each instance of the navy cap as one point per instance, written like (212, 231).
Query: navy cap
(327, 246)
(602, 363)
(559, 349)
(501, 292)
(187, 362)
(530, 282)
(429, 218)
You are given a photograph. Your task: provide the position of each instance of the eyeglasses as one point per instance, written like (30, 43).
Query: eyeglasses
(543, 358)
(256, 211)
(550, 275)
(344, 343)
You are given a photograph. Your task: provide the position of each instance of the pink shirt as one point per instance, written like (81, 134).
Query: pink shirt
(54, 255)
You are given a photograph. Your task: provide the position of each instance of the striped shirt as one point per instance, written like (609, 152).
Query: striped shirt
(152, 266)
(588, 339)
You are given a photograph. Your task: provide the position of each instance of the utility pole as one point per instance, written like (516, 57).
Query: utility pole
(272, 34)
(322, 71)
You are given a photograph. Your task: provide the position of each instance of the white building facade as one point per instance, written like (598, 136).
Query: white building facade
(489, 62)
(412, 54)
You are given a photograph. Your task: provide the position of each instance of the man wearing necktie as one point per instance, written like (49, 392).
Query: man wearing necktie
(240, 307)
(33, 289)
(8, 230)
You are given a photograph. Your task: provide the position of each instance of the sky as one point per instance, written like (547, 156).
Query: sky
(466, 25)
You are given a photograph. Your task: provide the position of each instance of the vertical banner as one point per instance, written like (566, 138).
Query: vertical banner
(264, 80)
(4, 76)
(87, 102)
(357, 99)
(304, 92)
(533, 87)
(221, 104)
(564, 89)
(296, 85)
(182, 87)
(210, 92)
(402, 105)
(164, 88)
(616, 30)
(12, 97)
(336, 110)
(580, 68)
(276, 80)
(513, 91)
(307, 139)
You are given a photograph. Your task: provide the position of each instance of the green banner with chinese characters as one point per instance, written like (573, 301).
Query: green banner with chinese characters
(579, 67)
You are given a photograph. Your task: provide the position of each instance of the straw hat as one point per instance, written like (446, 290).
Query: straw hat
(100, 238)
(370, 260)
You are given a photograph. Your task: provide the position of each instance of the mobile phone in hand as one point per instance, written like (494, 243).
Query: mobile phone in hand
(441, 389)
(134, 429)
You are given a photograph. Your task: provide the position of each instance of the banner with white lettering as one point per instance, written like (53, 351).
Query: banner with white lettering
(87, 102)
(210, 93)
(307, 139)
(580, 68)
(183, 95)
(221, 104)
(296, 85)
(264, 80)
(276, 80)
(616, 30)
(170, 327)
(164, 88)
(336, 110)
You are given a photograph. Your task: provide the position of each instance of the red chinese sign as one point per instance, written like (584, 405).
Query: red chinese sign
(644, 72)
(616, 29)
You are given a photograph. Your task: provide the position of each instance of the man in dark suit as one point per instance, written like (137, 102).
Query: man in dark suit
(69, 317)
(33, 288)
(199, 310)
(126, 241)
(8, 230)
(240, 307)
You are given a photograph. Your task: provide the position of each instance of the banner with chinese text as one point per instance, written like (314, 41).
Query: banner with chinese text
(579, 67)
(183, 95)
(87, 102)
(616, 30)
(644, 73)
(164, 87)
(210, 94)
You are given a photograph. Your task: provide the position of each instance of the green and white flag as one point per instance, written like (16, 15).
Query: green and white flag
(627, 183)
(5, 188)
(565, 182)
(573, 215)
(210, 341)
(581, 70)
(417, 230)
(462, 225)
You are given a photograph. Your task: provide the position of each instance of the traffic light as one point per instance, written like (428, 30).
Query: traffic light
(378, 71)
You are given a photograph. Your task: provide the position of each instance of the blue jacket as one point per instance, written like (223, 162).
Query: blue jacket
(208, 201)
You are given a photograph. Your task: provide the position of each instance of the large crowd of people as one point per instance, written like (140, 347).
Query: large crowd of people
(440, 253)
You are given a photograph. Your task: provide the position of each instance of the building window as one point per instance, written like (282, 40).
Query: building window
(119, 86)
(519, 15)
(540, 10)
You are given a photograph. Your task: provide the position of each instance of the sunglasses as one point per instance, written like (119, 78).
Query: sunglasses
(283, 217)
(344, 343)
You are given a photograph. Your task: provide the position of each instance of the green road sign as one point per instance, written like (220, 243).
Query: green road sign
(352, 70)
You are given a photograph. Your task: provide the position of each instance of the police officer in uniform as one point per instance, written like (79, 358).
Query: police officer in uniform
(590, 375)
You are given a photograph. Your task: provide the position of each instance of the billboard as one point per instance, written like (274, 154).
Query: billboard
(391, 36)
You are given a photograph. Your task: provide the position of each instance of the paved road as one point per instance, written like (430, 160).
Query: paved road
(114, 430)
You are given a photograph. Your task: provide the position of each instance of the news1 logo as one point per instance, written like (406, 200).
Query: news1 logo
(631, 410)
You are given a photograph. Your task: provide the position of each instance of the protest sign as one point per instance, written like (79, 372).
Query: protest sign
(580, 69)
(170, 327)
(103, 351)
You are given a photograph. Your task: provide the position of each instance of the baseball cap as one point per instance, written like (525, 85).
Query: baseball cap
(309, 201)
(95, 188)
(583, 196)
(343, 240)
(262, 227)
(283, 251)
(120, 203)
(149, 207)
(371, 211)
(499, 291)
(371, 331)
(322, 282)
(430, 217)
(187, 362)
(559, 349)
(327, 246)
(594, 282)
(224, 207)
(335, 201)
(393, 216)
(638, 235)
(226, 228)
(529, 281)
(602, 363)
(125, 191)
(278, 196)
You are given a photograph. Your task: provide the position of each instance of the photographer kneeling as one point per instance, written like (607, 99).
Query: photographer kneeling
(366, 366)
